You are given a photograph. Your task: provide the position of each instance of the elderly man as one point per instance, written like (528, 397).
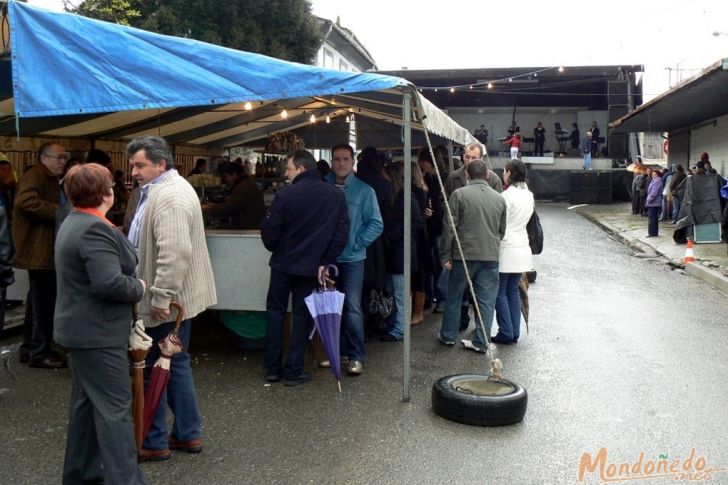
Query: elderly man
(479, 215)
(586, 149)
(458, 178)
(365, 226)
(37, 201)
(306, 230)
(169, 234)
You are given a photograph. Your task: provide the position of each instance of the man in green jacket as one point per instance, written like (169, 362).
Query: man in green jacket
(479, 216)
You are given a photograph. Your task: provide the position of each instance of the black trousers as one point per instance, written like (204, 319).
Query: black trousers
(39, 310)
(539, 148)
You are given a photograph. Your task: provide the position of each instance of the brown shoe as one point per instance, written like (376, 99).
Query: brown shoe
(191, 446)
(418, 312)
(153, 455)
(49, 363)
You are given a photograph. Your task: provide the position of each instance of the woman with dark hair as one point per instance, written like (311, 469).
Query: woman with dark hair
(394, 235)
(95, 266)
(653, 202)
(515, 252)
(434, 288)
(425, 262)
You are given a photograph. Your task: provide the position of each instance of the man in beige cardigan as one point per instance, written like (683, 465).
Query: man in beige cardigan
(169, 234)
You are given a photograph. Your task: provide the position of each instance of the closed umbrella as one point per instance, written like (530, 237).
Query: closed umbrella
(170, 345)
(326, 306)
(139, 345)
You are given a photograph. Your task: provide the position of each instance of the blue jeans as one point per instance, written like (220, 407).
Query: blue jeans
(508, 307)
(587, 161)
(397, 329)
(281, 286)
(484, 275)
(350, 282)
(179, 394)
(675, 207)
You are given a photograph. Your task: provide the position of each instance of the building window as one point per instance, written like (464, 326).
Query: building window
(328, 59)
(343, 66)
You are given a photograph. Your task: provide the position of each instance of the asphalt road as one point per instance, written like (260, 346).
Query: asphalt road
(623, 354)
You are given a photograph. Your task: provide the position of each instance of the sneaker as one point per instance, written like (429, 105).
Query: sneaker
(468, 344)
(327, 363)
(449, 343)
(355, 367)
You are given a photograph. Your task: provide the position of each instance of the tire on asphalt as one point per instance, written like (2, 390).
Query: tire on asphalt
(474, 399)
(531, 275)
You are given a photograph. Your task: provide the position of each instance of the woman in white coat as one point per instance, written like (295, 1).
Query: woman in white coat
(515, 253)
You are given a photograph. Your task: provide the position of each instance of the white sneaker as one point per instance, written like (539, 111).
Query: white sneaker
(468, 344)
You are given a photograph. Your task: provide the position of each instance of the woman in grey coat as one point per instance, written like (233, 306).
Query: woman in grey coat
(95, 267)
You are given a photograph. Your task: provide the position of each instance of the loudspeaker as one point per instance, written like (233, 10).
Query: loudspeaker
(614, 112)
(618, 146)
(604, 187)
(617, 92)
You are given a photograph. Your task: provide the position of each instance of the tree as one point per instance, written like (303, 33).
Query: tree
(122, 12)
(285, 29)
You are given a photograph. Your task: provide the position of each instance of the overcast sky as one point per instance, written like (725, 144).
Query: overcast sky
(477, 33)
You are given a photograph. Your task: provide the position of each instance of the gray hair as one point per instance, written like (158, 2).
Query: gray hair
(477, 170)
(477, 145)
(155, 148)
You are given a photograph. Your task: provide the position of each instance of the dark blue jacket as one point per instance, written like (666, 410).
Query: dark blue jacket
(307, 226)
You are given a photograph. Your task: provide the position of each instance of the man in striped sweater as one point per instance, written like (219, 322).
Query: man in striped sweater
(169, 234)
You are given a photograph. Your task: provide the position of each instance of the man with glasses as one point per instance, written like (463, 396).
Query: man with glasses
(458, 178)
(37, 201)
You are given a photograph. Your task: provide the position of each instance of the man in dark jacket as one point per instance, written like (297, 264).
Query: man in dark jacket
(306, 229)
(7, 277)
(244, 205)
(457, 179)
(37, 201)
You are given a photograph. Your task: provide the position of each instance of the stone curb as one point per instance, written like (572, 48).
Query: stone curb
(697, 270)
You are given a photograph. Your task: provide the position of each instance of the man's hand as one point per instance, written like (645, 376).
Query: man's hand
(160, 313)
(447, 265)
(428, 212)
(322, 275)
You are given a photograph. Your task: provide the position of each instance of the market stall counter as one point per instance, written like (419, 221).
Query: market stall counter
(240, 265)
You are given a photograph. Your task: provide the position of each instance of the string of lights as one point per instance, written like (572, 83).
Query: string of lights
(490, 83)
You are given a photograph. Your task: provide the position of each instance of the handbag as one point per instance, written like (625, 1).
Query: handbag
(535, 233)
(380, 304)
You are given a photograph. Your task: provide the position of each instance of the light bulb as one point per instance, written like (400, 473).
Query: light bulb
(328, 119)
(561, 68)
(284, 114)
(348, 120)
(490, 85)
(248, 106)
(312, 118)
(452, 90)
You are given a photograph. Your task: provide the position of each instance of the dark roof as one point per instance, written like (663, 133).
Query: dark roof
(697, 99)
(346, 43)
(577, 86)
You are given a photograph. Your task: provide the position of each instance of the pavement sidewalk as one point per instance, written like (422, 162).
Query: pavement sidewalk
(711, 260)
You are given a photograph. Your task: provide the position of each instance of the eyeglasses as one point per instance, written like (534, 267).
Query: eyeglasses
(60, 156)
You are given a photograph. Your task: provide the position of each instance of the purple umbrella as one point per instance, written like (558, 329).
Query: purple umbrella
(325, 306)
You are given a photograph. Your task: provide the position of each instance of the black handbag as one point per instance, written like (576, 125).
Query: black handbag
(535, 233)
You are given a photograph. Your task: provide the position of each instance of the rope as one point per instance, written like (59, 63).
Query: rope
(451, 222)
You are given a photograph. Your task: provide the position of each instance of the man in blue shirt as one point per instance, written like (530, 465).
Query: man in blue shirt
(365, 225)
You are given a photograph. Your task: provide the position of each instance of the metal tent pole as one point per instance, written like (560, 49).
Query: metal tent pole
(407, 126)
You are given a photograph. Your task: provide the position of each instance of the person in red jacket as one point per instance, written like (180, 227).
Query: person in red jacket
(515, 142)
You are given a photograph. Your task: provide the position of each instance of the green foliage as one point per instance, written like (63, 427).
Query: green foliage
(285, 29)
(122, 12)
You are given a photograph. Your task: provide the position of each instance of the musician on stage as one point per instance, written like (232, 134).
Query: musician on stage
(515, 142)
(574, 136)
(539, 136)
(513, 129)
(595, 138)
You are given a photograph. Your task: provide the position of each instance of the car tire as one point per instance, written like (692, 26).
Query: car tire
(478, 400)
(531, 275)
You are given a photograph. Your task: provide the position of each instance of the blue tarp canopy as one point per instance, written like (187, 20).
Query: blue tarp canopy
(68, 76)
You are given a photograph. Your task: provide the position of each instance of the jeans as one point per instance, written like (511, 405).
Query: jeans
(398, 315)
(587, 161)
(652, 224)
(508, 307)
(350, 282)
(280, 288)
(484, 275)
(675, 208)
(39, 310)
(179, 394)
